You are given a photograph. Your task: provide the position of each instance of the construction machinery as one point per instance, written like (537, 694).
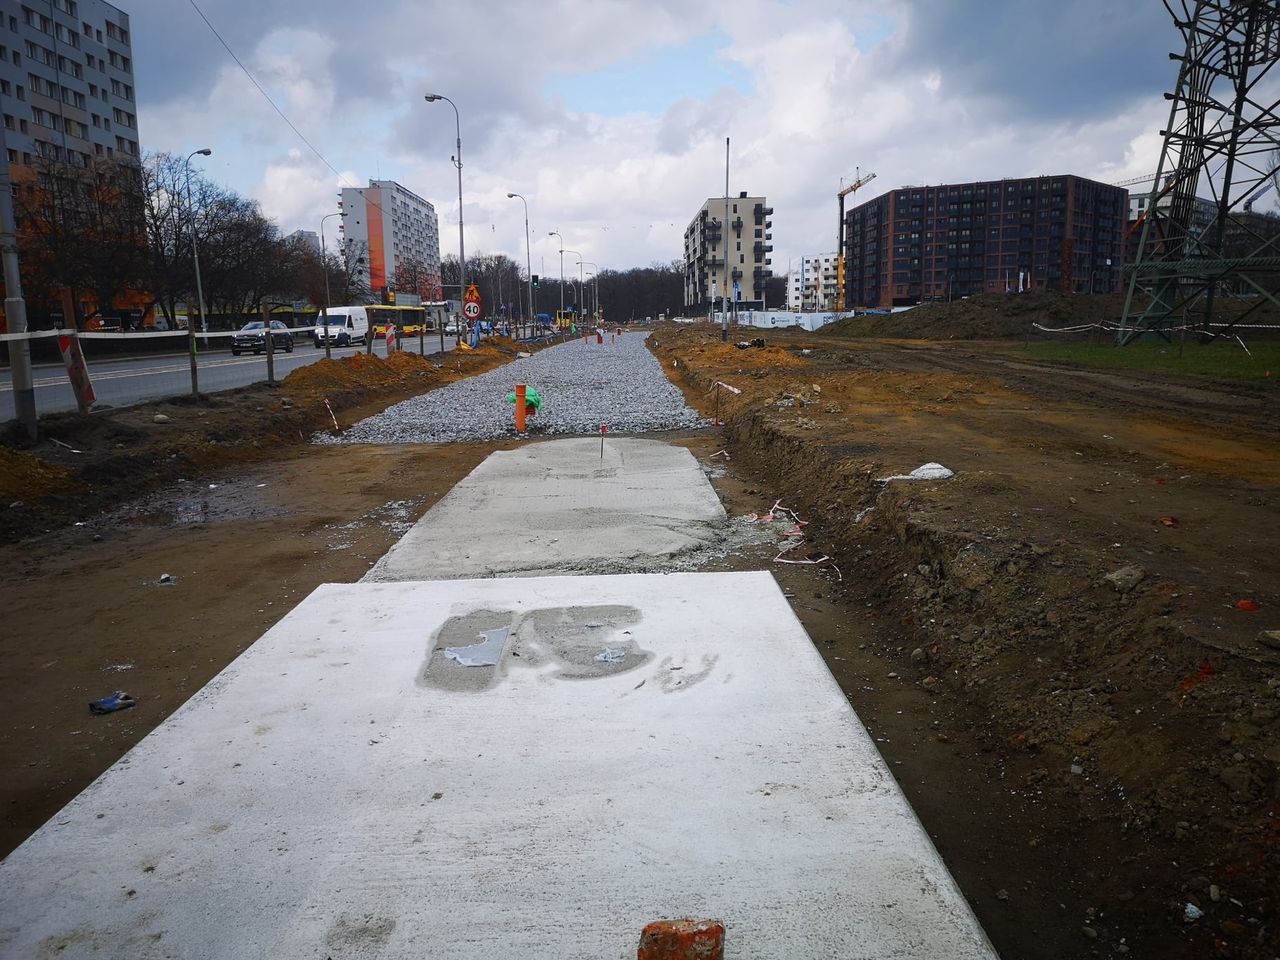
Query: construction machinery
(858, 181)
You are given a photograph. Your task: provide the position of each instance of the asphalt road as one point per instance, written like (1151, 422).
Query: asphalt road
(122, 382)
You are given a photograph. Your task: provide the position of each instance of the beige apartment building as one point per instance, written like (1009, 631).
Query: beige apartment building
(733, 259)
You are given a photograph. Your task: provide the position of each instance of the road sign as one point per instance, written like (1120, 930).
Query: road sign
(472, 307)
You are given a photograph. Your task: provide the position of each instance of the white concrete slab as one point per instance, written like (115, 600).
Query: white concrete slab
(345, 790)
(560, 508)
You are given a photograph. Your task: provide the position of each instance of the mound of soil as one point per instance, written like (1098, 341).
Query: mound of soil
(1071, 596)
(984, 317)
(999, 316)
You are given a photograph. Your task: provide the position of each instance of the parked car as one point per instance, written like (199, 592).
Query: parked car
(347, 326)
(252, 336)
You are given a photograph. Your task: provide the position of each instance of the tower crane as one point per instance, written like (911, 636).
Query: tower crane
(858, 181)
(1132, 180)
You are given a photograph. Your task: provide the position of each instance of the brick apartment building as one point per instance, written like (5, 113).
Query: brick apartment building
(942, 242)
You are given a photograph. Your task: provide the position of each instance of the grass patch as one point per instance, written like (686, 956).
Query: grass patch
(1223, 361)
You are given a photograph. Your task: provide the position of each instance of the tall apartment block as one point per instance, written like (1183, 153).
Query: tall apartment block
(943, 242)
(814, 285)
(396, 234)
(66, 81)
(716, 258)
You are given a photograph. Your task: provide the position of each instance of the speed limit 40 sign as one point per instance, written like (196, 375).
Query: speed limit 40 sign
(472, 307)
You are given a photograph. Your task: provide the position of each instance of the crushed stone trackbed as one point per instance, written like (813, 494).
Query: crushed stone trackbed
(584, 386)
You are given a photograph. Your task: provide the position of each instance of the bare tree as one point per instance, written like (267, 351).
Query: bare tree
(413, 277)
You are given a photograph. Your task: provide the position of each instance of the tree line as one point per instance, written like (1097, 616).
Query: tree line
(116, 237)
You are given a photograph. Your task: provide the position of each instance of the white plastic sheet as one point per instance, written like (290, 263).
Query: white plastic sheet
(929, 471)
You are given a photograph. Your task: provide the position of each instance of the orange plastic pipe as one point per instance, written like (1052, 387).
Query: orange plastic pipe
(520, 395)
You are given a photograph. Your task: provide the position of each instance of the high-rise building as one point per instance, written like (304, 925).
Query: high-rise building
(66, 81)
(745, 246)
(814, 284)
(305, 238)
(394, 235)
(943, 242)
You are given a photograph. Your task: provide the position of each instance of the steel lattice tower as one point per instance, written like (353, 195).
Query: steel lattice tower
(1220, 145)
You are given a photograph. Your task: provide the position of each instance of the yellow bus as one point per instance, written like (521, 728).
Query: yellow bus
(428, 318)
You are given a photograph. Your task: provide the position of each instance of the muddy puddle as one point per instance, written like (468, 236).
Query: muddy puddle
(189, 503)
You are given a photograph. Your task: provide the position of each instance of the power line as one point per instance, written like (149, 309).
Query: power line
(274, 106)
(266, 96)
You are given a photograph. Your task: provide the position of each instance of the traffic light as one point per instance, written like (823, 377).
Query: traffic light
(535, 281)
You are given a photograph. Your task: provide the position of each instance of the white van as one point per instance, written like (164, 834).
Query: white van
(347, 326)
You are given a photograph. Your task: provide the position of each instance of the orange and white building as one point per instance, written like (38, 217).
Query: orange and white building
(397, 236)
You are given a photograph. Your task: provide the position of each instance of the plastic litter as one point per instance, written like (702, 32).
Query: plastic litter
(928, 471)
(165, 578)
(1191, 913)
(1169, 521)
(532, 400)
(117, 701)
(486, 653)
(1248, 606)
(611, 656)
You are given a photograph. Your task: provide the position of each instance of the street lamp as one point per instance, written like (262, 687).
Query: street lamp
(579, 255)
(595, 303)
(556, 233)
(195, 255)
(457, 162)
(528, 258)
(324, 264)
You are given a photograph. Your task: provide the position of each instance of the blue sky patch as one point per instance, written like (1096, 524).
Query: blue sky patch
(653, 81)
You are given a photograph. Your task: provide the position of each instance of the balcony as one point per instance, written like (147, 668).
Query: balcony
(736, 273)
(737, 224)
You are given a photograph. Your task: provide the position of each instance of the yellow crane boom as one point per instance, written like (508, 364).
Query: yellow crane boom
(858, 181)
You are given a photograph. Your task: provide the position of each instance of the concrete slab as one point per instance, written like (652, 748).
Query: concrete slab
(560, 508)
(647, 747)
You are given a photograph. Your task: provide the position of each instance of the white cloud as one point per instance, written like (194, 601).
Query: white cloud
(621, 188)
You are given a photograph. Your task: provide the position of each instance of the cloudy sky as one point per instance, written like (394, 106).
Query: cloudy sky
(610, 115)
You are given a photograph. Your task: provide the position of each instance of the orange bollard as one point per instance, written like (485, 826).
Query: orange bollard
(682, 940)
(520, 395)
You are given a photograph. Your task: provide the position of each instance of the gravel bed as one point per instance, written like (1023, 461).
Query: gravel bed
(583, 386)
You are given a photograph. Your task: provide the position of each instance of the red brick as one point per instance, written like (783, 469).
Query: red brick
(682, 940)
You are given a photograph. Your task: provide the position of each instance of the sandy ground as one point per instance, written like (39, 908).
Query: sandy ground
(969, 624)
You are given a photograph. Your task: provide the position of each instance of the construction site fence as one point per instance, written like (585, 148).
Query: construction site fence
(109, 345)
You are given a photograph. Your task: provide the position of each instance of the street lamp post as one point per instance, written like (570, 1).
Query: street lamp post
(556, 233)
(528, 257)
(324, 264)
(195, 255)
(595, 302)
(457, 162)
(578, 299)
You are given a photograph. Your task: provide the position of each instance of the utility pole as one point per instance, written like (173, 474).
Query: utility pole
(724, 317)
(15, 308)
